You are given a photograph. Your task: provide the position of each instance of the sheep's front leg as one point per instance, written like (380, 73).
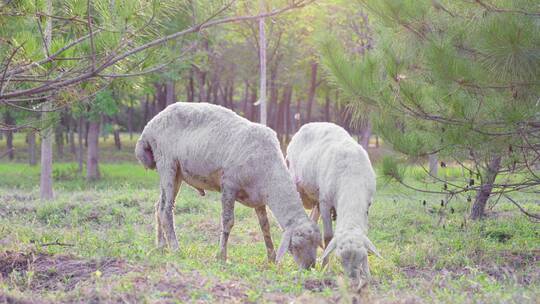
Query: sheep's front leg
(327, 224)
(228, 197)
(265, 227)
(170, 184)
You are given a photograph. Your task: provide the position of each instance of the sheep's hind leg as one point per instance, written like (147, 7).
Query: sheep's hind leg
(160, 237)
(265, 227)
(170, 183)
(228, 197)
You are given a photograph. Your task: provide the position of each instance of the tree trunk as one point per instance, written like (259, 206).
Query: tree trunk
(433, 164)
(246, 99)
(298, 115)
(72, 123)
(46, 182)
(130, 120)
(80, 151)
(160, 98)
(190, 87)
(59, 139)
(146, 110)
(287, 119)
(8, 119)
(365, 133)
(327, 107)
(116, 134)
(202, 82)
(169, 92)
(231, 96)
(92, 163)
(312, 90)
(32, 148)
(253, 112)
(484, 192)
(262, 62)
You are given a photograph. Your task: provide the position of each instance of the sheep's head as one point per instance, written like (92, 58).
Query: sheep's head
(353, 248)
(302, 241)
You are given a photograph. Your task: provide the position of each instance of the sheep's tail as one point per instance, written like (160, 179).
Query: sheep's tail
(144, 153)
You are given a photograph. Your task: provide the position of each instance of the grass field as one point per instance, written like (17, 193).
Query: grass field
(95, 243)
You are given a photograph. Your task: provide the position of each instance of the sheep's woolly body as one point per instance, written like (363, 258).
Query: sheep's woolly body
(210, 147)
(331, 170)
(330, 167)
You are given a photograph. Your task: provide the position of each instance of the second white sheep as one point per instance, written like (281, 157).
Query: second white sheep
(333, 173)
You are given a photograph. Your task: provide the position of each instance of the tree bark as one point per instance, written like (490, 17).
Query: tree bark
(327, 107)
(116, 134)
(433, 164)
(262, 62)
(130, 120)
(32, 148)
(365, 133)
(246, 99)
(59, 139)
(190, 87)
(92, 163)
(46, 182)
(484, 192)
(8, 119)
(72, 147)
(287, 118)
(80, 151)
(146, 110)
(169, 92)
(253, 112)
(312, 90)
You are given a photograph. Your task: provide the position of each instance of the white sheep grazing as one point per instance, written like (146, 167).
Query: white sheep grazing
(332, 171)
(211, 148)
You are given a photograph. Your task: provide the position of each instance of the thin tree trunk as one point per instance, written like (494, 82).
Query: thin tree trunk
(433, 164)
(116, 133)
(169, 92)
(72, 123)
(253, 115)
(484, 192)
(298, 115)
(190, 87)
(146, 110)
(92, 163)
(312, 90)
(80, 151)
(32, 148)
(231, 96)
(246, 99)
(287, 115)
(46, 182)
(365, 133)
(327, 107)
(59, 139)
(130, 120)
(86, 127)
(262, 61)
(377, 144)
(8, 119)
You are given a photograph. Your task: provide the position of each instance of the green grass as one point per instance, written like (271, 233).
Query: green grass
(431, 253)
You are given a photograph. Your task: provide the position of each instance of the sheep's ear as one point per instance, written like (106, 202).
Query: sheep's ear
(331, 246)
(371, 248)
(284, 246)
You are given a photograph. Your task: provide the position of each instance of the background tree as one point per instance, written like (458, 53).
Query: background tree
(454, 78)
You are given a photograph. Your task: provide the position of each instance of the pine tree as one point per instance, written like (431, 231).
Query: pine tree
(456, 78)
